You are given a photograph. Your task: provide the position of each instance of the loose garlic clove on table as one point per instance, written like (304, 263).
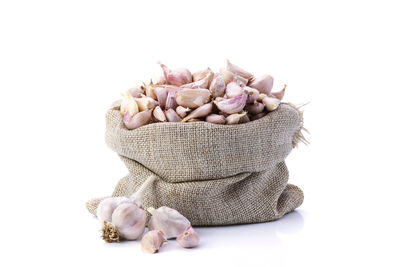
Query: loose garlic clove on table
(168, 220)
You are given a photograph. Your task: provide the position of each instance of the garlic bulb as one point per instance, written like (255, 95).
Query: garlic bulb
(168, 220)
(152, 241)
(127, 219)
(189, 238)
(178, 76)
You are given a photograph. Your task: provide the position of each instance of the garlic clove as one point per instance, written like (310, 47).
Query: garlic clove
(199, 112)
(161, 94)
(181, 111)
(192, 98)
(252, 94)
(107, 206)
(176, 77)
(232, 77)
(263, 84)
(189, 238)
(199, 75)
(145, 103)
(233, 89)
(261, 97)
(235, 118)
(128, 104)
(255, 108)
(171, 100)
(203, 83)
(232, 105)
(216, 119)
(238, 70)
(136, 91)
(168, 220)
(149, 90)
(172, 116)
(160, 80)
(217, 86)
(271, 103)
(245, 119)
(130, 220)
(258, 116)
(279, 95)
(159, 115)
(152, 241)
(140, 119)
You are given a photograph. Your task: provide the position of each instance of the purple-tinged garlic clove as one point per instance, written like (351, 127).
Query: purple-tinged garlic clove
(140, 119)
(279, 95)
(182, 111)
(145, 103)
(149, 90)
(232, 105)
(176, 77)
(235, 118)
(231, 77)
(238, 70)
(271, 103)
(168, 220)
(263, 84)
(172, 116)
(152, 241)
(245, 119)
(217, 86)
(159, 115)
(192, 98)
(233, 89)
(216, 119)
(252, 94)
(255, 108)
(199, 75)
(199, 112)
(161, 94)
(189, 238)
(261, 97)
(171, 100)
(258, 116)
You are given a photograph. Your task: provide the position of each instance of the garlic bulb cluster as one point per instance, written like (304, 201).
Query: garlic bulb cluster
(123, 217)
(231, 96)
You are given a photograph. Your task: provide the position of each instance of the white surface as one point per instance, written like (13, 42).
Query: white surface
(63, 62)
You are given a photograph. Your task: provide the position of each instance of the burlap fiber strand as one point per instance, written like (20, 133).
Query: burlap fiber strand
(212, 174)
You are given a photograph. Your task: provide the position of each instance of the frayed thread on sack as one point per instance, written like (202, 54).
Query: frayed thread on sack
(299, 133)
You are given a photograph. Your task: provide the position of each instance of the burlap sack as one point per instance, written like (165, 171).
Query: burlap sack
(212, 174)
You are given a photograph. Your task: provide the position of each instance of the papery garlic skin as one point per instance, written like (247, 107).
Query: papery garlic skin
(107, 206)
(216, 119)
(140, 119)
(168, 220)
(263, 84)
(176, 77)
(130, 220)
(189, 238)
(152, 241)
(192, 98)
(232, 105)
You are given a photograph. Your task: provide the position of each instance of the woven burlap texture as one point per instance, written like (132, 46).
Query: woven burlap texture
(212, 174)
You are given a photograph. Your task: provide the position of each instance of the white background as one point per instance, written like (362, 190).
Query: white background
(63, 62)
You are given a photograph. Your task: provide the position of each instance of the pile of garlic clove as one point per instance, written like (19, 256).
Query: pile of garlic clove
(125, 218)
(231, 96)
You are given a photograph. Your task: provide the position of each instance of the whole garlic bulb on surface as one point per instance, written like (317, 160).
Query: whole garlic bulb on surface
(152, 241)
(128, 219)
(168, 220)
(189, 238)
